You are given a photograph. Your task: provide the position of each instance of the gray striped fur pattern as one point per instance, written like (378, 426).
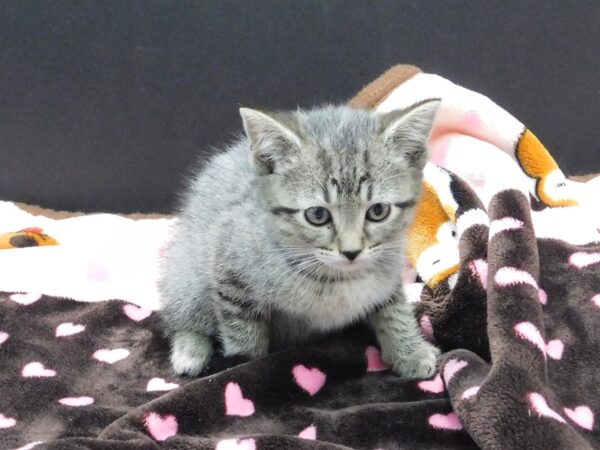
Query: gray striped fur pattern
(253, 266)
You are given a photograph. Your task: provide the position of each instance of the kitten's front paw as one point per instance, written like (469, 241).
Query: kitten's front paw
(190, 353)
(420, 364)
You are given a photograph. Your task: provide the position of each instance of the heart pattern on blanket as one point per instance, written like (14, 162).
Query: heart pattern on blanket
(6, 422)
(542, 296)
(311, 380)
(160, 427)
(159, 384)
(582, 416)
(309, 433)
(448, 421)
(37, 370)
(540, 406)
(68, 329)
(30, 445)
(504, 224)
(529, 332)
(435, 386)
(479, 268)
(235, 403)
(596, 300)
(236, 444)
(96, 273)
(76, 401)
(111, 356)
(582, 259)
(136, 313)
(452, 367)
(374, 361)
(511, 276)
(3, 337)
(470, 392)
(25, 298)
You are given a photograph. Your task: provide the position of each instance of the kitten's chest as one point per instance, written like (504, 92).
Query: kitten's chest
(333, 305)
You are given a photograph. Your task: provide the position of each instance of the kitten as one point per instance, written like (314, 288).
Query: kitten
(298, 230)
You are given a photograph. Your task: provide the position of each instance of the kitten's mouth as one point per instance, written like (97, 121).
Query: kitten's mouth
(347, 266)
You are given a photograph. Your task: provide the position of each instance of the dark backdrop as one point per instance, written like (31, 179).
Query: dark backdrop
(103, 105)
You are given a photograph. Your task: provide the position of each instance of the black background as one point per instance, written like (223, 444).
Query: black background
(104, 105)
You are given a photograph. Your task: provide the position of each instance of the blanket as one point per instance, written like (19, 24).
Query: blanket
(506, 259)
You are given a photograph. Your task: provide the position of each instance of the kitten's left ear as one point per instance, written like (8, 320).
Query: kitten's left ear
(405, 132)
(272, 141)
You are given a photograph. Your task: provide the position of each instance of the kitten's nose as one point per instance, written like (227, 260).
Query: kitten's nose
(351, 254)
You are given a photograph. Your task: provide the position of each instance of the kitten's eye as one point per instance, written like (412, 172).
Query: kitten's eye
(317, 215)
(378, 212)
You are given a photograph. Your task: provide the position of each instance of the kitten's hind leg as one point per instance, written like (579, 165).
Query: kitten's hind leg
(190, 352)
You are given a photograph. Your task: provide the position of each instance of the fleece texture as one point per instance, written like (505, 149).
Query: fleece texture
(507, 256)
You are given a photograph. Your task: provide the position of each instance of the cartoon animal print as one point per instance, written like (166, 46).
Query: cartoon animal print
(550, 183)
(28, 237)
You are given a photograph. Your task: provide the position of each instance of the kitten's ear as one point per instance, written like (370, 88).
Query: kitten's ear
(272, 141)
(405, 132)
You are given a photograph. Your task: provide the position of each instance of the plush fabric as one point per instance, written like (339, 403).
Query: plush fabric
(507, 251)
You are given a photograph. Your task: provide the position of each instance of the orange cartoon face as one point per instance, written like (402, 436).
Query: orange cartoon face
(432, 246)
(28, 237)
(551, 186)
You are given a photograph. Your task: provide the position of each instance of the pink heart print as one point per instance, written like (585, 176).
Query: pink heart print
(479, 268)
(96, 273)
(582, 416)
(554, 349)
(582, 259)
(76, 401)
(434, 386)
(470, 392)
(374, 362)
(529, 332)
(30, 445)
(542, 296)
(37, 370)
(6, 422)
(68, 329)
(111, 356)
(161, 427)
(311, 380)
(452, 367)
(236, 444)
(3, 337)
(235, 403)
(511, 276)
(445, 421)
(540, 406)
(25, 298)
(136, 313)
(504, 224)
(159, 384)
(309, 433)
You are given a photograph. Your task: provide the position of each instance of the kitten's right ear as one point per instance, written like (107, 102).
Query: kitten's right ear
(272, 143)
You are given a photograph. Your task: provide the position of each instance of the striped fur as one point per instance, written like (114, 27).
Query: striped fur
(247, 269)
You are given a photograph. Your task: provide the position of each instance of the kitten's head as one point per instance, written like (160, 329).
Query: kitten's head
(339, 183)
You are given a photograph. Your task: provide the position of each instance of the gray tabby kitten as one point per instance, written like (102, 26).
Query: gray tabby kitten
(298, 230)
